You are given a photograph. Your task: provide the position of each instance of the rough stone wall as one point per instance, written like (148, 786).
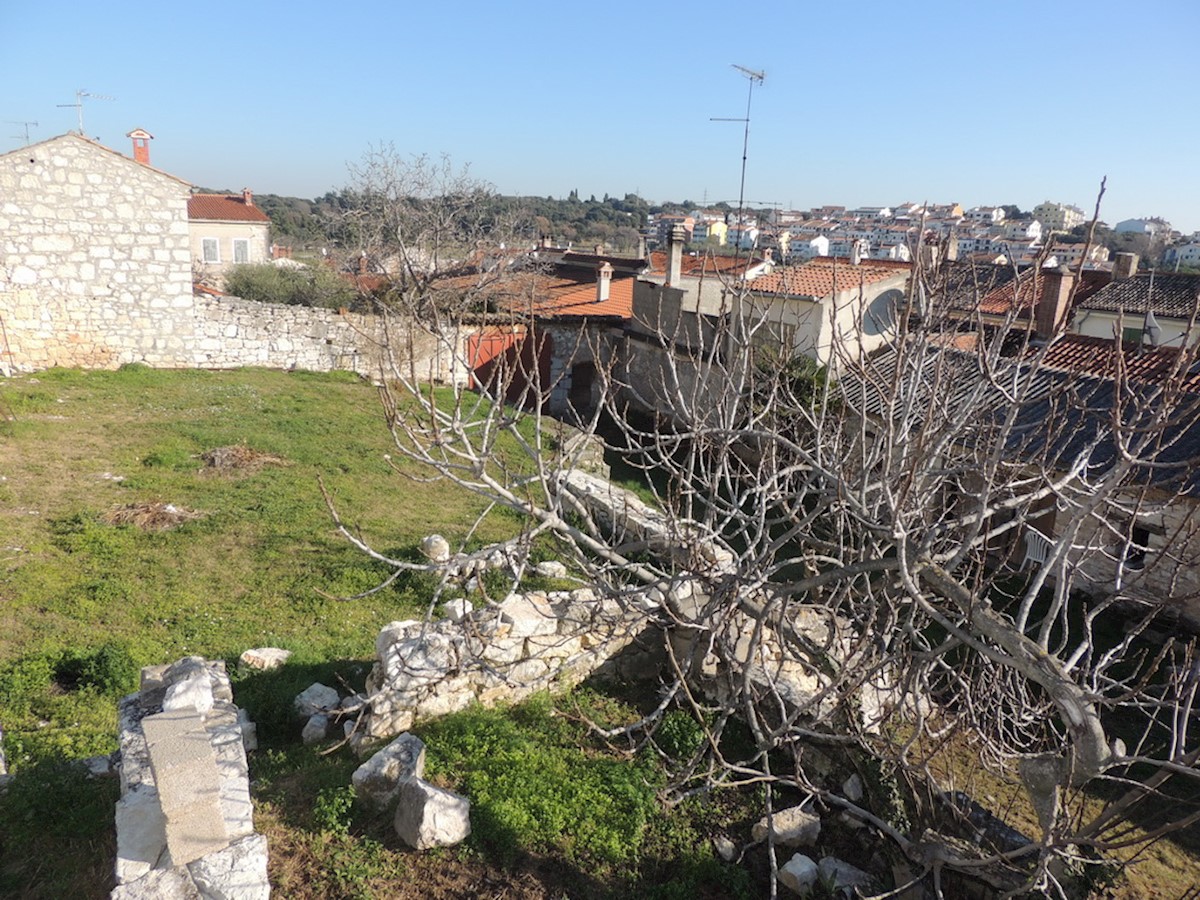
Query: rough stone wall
(94, 259)
(506, 652)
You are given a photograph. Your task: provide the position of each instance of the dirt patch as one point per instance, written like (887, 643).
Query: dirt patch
(239, 457)
(150, 516)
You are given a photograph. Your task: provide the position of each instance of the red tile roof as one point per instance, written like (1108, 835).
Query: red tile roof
(547, 295)
(826, 275)
(1086, 355)
(224, 208)
(706, 264)
(1000, 300)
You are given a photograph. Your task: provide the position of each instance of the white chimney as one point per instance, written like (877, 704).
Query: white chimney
(675, 242)
(603, 281)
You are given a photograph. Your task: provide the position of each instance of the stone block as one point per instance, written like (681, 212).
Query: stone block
(377, 781)
(239, 872)
(799, 875)
(794, 827)
(264, 658)
(316, 698)
(160, 884)
(427, 816)
(141, 833)
(316, 729)
(529, 614)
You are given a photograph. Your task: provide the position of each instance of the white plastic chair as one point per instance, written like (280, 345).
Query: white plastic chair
(1037, 548)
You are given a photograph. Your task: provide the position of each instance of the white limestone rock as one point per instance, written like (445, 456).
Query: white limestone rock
(436, 548)
(458, 609)
(377, 781)
(316, 729)
(160, 884)
(264, 659)
(852, 789)
(551, 568)
(529, 615)
(725, 849)
(842, 876)
(191, 692)
(316, 698)
(799, 874)
(794, 827)
(427, 816)
(141, 833)
(239, 872)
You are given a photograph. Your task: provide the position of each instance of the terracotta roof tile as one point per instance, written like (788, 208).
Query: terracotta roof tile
(706, 264)
(1086, 355)
(826, 275)
(224, 208)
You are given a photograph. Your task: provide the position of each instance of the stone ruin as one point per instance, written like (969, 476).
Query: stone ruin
(184, 821)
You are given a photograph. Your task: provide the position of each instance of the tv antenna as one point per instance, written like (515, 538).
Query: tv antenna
(754, 78)
(25, 125)
(78, 104)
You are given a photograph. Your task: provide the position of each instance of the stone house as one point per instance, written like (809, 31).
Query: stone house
(226, 230)
(96, 272)
(90, 241)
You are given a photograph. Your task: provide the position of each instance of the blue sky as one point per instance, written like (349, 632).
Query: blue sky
(864, 103)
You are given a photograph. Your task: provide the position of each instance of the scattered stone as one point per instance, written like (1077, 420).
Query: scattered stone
(3, 761)
(852, 789)
(458, 609)
(427, 816)
(725, 849)
(239, 872)
(264, 659)
(436, 548)
(316, 729)
(799, 874)
(842, 876)
(551, 568)
(794, 827)
(316, 698)
(377, 781)
(99, 766)
(352, 703)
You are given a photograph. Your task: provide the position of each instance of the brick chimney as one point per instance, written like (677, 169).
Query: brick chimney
(603, 281)
(675, 242)
(141, 145)
(248, 196)
(1054, 304)
(1124, 266)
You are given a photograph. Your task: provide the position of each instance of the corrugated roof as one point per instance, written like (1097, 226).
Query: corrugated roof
(224, 208)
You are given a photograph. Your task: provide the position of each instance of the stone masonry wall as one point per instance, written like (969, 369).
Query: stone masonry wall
(94, 258)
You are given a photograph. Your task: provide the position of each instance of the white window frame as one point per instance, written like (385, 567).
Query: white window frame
(245, 244)
(215, 243)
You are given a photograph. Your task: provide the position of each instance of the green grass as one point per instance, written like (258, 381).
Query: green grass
(84, 604)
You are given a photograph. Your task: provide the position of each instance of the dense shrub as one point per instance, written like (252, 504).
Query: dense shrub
(294, 286)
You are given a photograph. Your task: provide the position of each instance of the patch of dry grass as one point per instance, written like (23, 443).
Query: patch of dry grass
(151, 516)
(240, 457)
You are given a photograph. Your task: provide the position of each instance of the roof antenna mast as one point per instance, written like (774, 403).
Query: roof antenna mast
(78, 104)
(26, 125)
(754, 78)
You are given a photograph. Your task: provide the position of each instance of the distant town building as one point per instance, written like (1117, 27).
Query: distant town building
(1058, 216)
(1155, 227)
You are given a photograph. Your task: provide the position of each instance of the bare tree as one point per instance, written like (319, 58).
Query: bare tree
(957, 540)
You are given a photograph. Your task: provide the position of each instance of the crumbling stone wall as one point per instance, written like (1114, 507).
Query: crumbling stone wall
(184, 820)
